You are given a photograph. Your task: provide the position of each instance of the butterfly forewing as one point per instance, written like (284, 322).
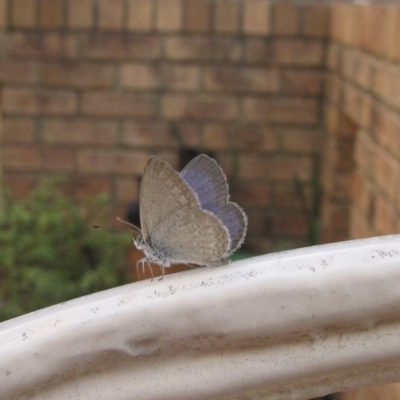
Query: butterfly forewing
(162, 192)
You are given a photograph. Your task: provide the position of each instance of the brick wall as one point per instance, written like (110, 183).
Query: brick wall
(362, 173)
(361, 176)
(91, 88)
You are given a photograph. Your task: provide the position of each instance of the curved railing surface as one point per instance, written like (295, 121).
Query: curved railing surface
(291, 325)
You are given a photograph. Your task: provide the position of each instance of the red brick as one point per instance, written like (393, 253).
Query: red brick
(46, 45)
(292, 110)
(126, 189)
(331, 119)
(359, 226)
(301, 141)
(18, 130)
(110, 14)
(342, 23)
(328, 169)
(163, 135)
(342, 186)
(380, 24)
(351, 30)
(138, 76)
(334, 89)
(316, 20)
(257, 17)
(79, 132)
(253, 194)
(80, 14)
(285, 19)
(148, 134)
(386, 128)
(334, 56)
(224, 137)
(187, 133)
(179, 77)
(140, 15)
(258, 51)
(51, 13)
(365, 153)
(78, 75)
(396, 50)
(260, 223)
(396, 200)
(299, 52)
(58, 159)
(361, 195)
(358, 67)
(363, 26)
(83, 187)
(18, 72)
(302, 82)
(198, 16)
(19, 157)
(23, 13)
(226, 16)
(386, 172)
(103, 46)
(112, 161)
(19, 184)
(346, 127)
(387, 84)
(290, 223)
(217, 49)
(241, 79)
(387, 391)
(169, 15)
(3, 14)
(336, 219)
(343, 154)
(389, 31)
(176, 106)
(358, 105)
(285, 196)
(254, 167)
(32, 101)
(96, 161)
(118, 104)
(385, 217)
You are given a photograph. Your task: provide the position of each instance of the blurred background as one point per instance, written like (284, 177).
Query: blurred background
(299, 102)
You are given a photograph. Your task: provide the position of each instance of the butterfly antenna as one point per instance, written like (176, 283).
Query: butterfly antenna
(111, 229)
(118, 229)
(128, 223)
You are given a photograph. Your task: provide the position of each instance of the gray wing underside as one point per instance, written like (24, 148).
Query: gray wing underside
(207, 179)
(193, 236)
(170, 214)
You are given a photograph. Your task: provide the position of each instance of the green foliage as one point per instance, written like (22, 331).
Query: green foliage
(49, 253)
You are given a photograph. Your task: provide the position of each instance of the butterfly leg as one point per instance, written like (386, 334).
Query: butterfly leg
(142, 263)
(162, 267)
(151, 270)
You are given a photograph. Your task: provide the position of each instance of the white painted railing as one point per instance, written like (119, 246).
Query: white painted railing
(291, 325)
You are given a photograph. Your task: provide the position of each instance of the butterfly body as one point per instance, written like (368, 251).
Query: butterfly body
(187, 217)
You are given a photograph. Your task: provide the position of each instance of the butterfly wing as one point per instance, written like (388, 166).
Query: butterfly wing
(207, 179)
(173, 220)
